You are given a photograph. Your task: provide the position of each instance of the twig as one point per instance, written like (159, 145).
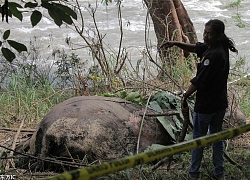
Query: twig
(69, 153)
(14, 146)
(15, 130)
(170, 113)
(233, 162)
(184, 126)
(143, 117)
(236, 80)
(180, 139)
(121, 38)
(154, 62)
(49, 160)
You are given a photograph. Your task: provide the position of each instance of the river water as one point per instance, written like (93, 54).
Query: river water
(133, 17)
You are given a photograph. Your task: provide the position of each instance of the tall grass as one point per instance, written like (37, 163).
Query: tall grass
(33, 99)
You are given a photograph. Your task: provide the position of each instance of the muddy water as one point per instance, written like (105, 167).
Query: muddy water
(49, 37)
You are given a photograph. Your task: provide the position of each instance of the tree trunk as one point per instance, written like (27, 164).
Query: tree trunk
(171, 22)
(185, 23)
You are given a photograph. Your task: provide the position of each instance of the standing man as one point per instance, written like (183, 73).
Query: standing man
(210, 85)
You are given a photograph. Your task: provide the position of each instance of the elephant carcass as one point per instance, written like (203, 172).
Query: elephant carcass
(99, 128)
(234, 115)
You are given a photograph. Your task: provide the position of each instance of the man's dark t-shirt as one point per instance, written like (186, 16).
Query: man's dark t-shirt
(211, 78)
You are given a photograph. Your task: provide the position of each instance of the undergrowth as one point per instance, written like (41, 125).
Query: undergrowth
(22, 93)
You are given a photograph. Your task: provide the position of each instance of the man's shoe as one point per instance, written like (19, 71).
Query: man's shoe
(193, 177)
(218, 178)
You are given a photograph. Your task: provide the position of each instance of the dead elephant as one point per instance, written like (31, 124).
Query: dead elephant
(96, 128)
(93, 128)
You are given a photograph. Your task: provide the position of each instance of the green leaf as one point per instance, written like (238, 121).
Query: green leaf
(55, 17)
(13, 4)
(35, 17)
(59, 12)
(134, 97)
(177, 122)
(48, 6)
(180, 113)
(67, 10)
(167, 126)
(52, 12)
(166, 100)
(8, 54)
(188, 137)
(154, 147)
(155, 106)
(17, 46)
(15, 12)
(165, 123)
(106, 2)
(9, 13)
(30, 5)
(6, 34)
(3, 154)
(108, 95)
(123, 94)
(64, 17)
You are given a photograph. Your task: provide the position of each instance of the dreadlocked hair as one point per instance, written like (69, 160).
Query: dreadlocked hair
(231, 45)
(219, 27)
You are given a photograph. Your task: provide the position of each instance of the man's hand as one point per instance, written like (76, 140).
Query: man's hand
(184, 105)
(168, 44)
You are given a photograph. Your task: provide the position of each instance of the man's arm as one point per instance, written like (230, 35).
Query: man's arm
(191, 89)
(185, 46)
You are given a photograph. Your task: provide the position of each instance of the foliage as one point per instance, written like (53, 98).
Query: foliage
(245, 97)
(65, 12)
(238, 20)
(165, 101)
(106, 2)
(235, 3)
(68, 67)
(135, 97)
(6, 43)
(239, 82)
(238, 17)
(32, 88)
(59, 12)
(161, 102)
